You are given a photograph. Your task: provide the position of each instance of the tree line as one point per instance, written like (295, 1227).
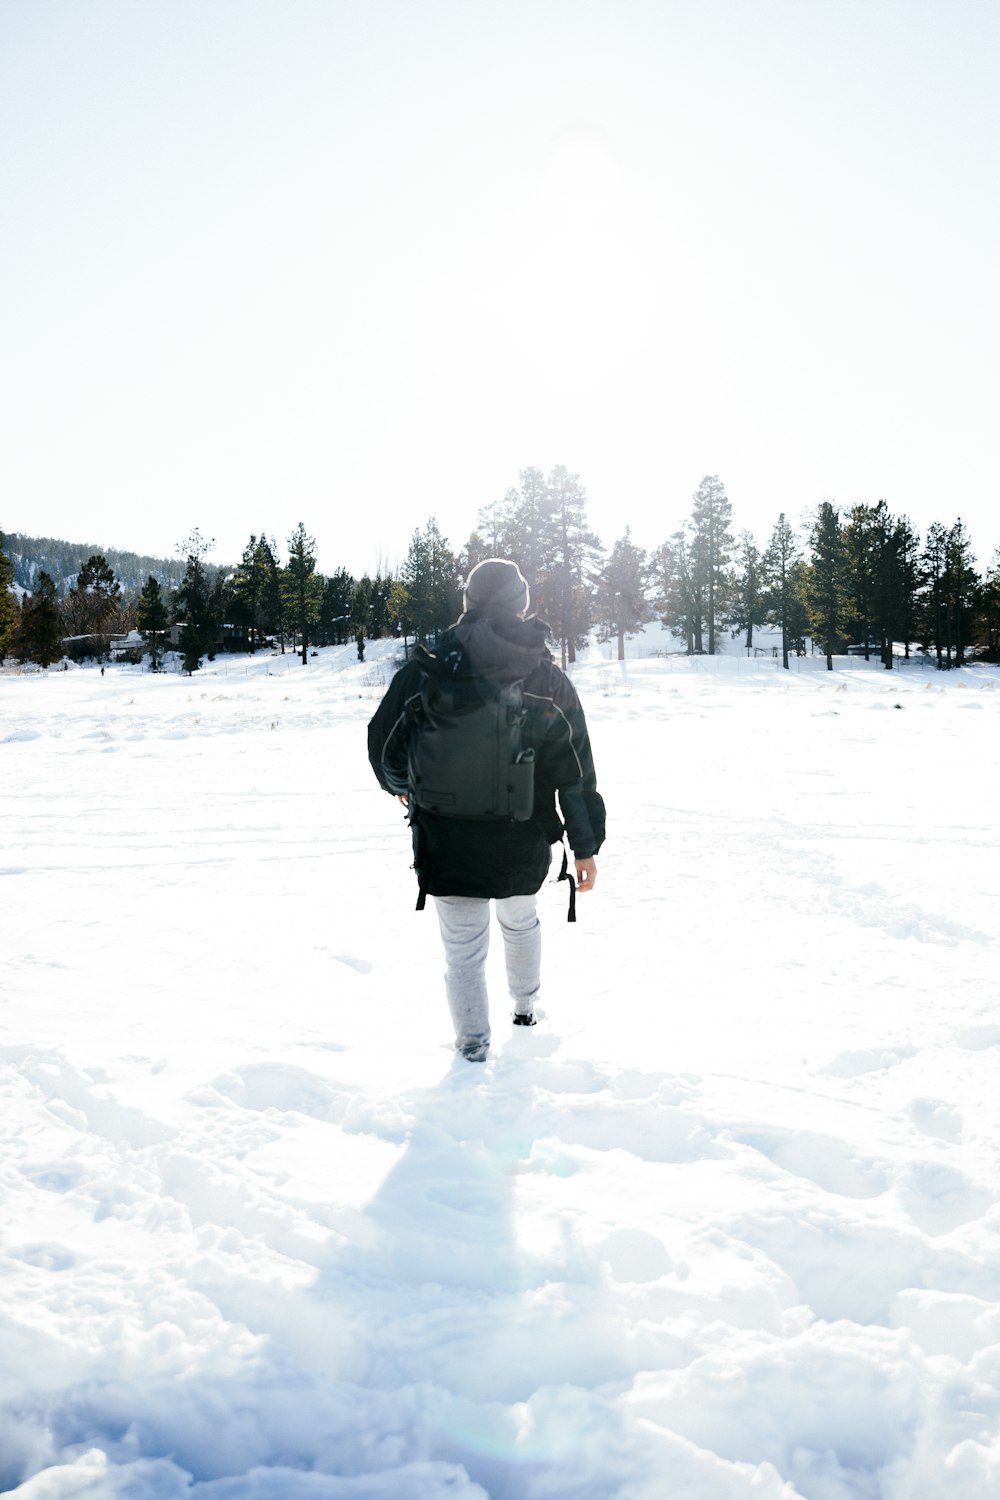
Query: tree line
(208, 610)
(861, 577)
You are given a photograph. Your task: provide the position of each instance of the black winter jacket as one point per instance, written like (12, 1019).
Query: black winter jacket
(479, 857)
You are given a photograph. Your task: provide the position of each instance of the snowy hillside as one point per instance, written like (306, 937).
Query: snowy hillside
(726, 1224)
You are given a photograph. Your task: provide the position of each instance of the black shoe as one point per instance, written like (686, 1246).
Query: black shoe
(520, 1020)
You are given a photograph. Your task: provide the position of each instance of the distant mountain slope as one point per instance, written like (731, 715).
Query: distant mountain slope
(63, 561)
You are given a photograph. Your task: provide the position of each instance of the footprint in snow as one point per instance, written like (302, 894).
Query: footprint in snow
(45, 1257)
(820, 1159)
(360, 964)
(856, 1064)
(935, 1118)
(939, 1198)
(281, 1086)
(978, 1038)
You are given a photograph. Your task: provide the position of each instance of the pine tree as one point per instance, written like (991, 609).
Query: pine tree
(825, 589)
(711, 545)
(932, 598)
(475, 551)
(303, 590)
(399, 606)
(674, 594)
(786, 608)
(798, 606)
(532, 544)
(252, 590)
(572, 551)
(861, 575)
(988, 616)
(430, 578)
(152, 619)
(887, 593)
(92, 605)
(361, 609)
(874, 576)
(10, 617)
(748, 589)
(522, 527)
(379, 621)
(962, 587)
(272, 603)
(220, 603)
(417, 582)
(193, 601)
(41, 634)
(335, 612)
(496, 534)
(906, 555)
(621, 593)
(542, 526)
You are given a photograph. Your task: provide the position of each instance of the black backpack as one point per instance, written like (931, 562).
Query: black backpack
(466, 755)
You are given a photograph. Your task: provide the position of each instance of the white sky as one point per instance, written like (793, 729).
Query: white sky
(359, 263)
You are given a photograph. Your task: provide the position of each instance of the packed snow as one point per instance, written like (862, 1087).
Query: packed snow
(725, 1224)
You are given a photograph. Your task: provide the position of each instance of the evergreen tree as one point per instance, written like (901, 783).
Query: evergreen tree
(91, 607)
(495, 534)
(906, 583)
(303, 590)
(336, 609)
(430, 578)
(152, 619)
(10, 615)
(749, 587)
(252, 590)
(476, 550)
(194, 603)
(531, 544)
(674, 593)
(361, 609)
(41, 633)
(859, 549)
(785, 605)
(988, 617)
(542, 526)
(399, 607)
(572, 552)
(416, 581)
(621, 593)
(220, 605)
(522, 528)
(864, 540)
(962, 588)
(798, 606)
(273, 603)
(887, 596)
(711, 545)
(380, 623)
(825, 588)
(932, 598)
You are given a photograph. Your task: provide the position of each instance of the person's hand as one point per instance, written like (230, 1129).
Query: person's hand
(586, 874)
(402, 797)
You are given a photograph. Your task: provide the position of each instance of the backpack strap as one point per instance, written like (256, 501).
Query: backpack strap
(565, 875)
(421, 879)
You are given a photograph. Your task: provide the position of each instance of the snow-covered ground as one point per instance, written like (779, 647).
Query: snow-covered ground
(726, 1224)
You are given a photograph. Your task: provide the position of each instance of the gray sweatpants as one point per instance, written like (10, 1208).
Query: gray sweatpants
(465, 930)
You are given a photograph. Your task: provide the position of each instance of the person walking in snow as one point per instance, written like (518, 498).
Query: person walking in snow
(494, 648)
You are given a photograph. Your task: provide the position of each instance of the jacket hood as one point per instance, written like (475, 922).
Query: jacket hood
(501, 649)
